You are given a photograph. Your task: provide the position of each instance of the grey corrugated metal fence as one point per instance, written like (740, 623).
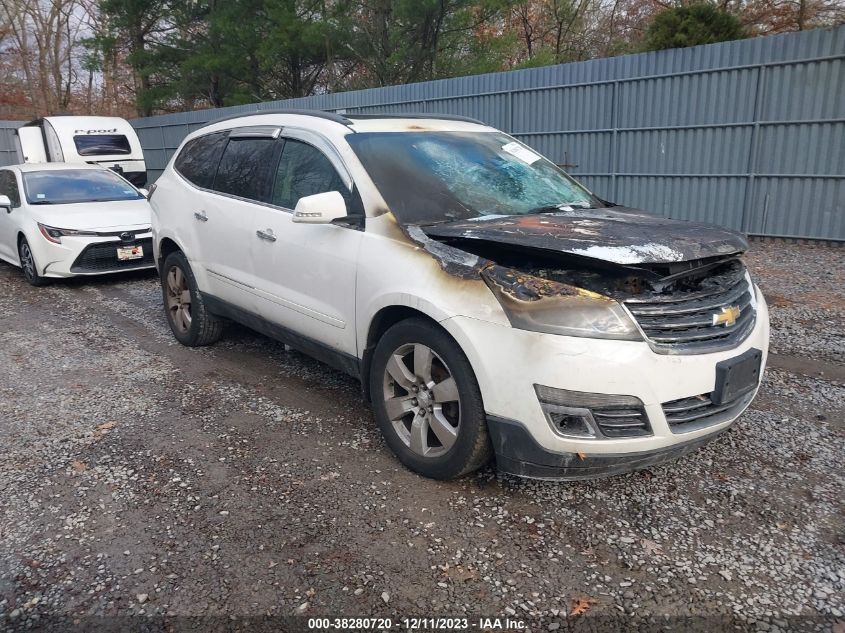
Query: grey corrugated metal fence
(747, 134)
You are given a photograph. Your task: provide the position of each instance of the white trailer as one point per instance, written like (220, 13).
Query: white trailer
(97, 140)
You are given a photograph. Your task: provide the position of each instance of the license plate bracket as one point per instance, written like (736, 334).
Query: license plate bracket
(125, 253)
(737, 376)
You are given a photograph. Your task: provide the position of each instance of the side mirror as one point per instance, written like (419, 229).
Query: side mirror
(6, 203)
(321, 208)
(144, 192)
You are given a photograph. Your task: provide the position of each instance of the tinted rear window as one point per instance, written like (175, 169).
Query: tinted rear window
(246, 168)
(101, 144)
(199, 158)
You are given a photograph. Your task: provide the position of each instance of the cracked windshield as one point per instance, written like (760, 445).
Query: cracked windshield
(431, 177)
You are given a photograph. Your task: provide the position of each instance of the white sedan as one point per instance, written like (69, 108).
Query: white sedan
(61, 220)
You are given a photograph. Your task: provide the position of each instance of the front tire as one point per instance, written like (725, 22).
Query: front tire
(427, 402)
(28, 265)
(189, 319)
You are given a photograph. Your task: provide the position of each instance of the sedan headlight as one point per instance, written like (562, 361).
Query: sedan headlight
(52, 234)
(543, 305)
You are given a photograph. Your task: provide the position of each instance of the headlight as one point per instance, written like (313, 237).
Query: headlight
(52, 234)
(542, 305)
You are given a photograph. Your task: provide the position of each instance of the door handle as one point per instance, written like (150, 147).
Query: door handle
(266, 235)
(201, 216)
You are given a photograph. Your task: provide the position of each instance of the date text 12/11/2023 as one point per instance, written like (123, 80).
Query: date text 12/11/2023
(416, 624)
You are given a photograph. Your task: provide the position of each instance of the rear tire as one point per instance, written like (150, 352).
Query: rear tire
(28, 265)
(189, 319)
(427, 402)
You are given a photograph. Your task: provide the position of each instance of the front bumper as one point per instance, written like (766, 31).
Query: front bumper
(509, 362)
(517, 453)
(86, 255)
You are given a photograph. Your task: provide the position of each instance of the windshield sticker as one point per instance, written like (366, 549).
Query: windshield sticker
(522, 153)
(40, 195)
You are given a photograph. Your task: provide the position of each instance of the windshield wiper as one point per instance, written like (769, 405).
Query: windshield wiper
(42, 202)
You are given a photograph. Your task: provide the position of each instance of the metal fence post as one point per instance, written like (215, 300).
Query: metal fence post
(614, 151)
(752, 166)
(510, 112)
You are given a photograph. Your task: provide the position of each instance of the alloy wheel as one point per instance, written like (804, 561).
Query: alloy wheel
(421, 399)
(27, 261)
(179, 299)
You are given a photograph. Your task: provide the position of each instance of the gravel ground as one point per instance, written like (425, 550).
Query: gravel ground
(804, 287)
(144, 482)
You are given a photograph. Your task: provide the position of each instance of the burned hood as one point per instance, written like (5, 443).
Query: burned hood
(618, 235)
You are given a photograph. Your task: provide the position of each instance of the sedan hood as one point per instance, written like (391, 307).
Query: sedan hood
(617, 235)
(95, 216)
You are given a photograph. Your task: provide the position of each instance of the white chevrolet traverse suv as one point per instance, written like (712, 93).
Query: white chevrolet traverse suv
(489, 304)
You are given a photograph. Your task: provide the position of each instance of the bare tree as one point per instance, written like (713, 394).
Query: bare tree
(763, 17)
(552, 31)
(44, 35)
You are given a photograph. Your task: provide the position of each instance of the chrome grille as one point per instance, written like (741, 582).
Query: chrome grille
(690, 414)
(683, 321)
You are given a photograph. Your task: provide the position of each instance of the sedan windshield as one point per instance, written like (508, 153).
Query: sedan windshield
(432, 177)
(67, 186)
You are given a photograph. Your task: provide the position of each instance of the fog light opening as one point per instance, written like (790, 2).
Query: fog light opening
(593, 415)
(570, 421)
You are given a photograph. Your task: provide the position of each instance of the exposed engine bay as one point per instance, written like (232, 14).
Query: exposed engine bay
(689, 293)
(527, 271)
(617, 253)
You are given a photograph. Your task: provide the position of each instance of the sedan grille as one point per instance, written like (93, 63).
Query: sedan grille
(102, 257)
(701, 320)
(690, 414)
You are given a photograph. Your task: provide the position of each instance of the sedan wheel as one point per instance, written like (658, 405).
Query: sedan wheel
(27, 259)
(421, 399)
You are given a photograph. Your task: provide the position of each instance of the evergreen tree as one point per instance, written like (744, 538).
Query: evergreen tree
(691, 25)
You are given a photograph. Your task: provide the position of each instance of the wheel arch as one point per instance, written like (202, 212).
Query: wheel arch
(21, 237)
(472, 448)
(166, 246)
(383, 320)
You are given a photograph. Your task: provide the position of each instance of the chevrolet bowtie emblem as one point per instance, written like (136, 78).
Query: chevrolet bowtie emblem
(727, 316)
